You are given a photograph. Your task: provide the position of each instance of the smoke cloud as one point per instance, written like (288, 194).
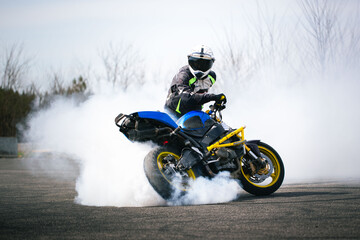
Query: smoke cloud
(310, 117)
(111, 167)
(207, 191)
(314, 127)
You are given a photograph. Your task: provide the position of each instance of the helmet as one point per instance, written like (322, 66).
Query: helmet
(200, 61)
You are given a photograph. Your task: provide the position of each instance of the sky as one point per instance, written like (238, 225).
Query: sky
(62, 34)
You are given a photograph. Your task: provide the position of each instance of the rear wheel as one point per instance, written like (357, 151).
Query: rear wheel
(159, 166)
(267, 182)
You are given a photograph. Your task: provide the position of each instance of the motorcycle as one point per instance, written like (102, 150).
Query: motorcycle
(200, 144)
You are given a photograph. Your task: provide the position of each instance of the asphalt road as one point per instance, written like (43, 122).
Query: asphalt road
(36, 206)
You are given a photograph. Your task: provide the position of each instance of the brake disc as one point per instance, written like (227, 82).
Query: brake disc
(258, 178)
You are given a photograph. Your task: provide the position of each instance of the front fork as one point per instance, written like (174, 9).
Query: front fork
(252, 149)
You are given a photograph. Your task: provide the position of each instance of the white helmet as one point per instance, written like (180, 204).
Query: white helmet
(200, 61)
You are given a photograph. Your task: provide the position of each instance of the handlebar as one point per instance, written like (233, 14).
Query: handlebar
(217, 108)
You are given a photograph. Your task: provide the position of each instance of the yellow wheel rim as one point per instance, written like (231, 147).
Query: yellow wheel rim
(275, 173)
(160, 164)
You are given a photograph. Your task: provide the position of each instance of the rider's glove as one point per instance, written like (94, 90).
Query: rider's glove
(219, 98)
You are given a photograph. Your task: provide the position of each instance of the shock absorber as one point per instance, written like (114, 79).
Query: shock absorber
(257, 163)
(250, 152)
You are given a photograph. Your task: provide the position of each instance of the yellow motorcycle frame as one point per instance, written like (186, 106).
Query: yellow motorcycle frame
(240, 134)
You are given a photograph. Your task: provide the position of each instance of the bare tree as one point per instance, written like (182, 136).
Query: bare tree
(123, 65)
(13, 67)
(321, 24)
(57, 86)
(263, 45)
(237, 63)
(321, 40)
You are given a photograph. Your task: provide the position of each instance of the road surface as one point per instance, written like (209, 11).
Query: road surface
(36, 206)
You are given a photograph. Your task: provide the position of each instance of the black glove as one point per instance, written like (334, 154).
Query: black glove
(219, 98)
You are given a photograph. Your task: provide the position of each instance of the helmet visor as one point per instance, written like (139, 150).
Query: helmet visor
(200, 64)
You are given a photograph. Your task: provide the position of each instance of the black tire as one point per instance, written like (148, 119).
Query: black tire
(161, 182)
(276, 177)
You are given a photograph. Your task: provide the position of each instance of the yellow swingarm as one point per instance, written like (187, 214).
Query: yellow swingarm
(236, 132)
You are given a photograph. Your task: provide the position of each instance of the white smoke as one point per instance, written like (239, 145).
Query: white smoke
(312, 120)
(111, 171)
(111, 167)
(221, 188)
(313, 126)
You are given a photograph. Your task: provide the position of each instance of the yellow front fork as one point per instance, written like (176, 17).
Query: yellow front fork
(219, 144)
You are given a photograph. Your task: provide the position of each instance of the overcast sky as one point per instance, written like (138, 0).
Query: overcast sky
(64, 33)
(60, 33)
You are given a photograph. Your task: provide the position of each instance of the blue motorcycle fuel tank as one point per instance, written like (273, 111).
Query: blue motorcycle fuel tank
(194, 120)
(196, 124)
(191, 120)
(200, 125)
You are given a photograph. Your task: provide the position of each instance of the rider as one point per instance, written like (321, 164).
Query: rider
(190, 86)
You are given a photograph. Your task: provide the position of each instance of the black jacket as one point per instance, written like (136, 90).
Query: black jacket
(181, 96)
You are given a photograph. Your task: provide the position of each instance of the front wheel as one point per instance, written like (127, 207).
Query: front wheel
(160, 170)
(267, 183)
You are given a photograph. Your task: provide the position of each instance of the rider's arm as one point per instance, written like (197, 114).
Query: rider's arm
(187, 94)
